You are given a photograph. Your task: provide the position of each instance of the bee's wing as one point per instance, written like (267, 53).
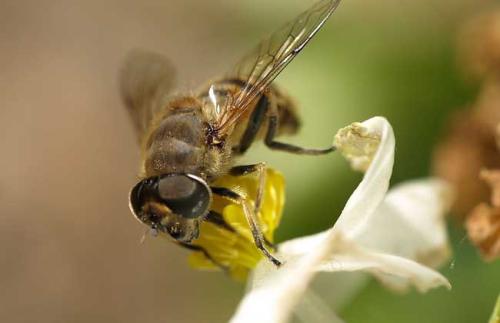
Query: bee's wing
(258, 69)
(145, 81)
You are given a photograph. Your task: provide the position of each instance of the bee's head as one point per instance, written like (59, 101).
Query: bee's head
(171, 203)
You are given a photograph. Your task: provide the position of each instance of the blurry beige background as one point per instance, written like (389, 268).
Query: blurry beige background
(69, 249)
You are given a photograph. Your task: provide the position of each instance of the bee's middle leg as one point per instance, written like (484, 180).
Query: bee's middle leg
(260, 168)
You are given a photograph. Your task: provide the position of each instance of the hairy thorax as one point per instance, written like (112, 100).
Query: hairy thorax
(177, 144)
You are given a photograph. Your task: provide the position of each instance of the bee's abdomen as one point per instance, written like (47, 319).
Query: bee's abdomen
(289, 121)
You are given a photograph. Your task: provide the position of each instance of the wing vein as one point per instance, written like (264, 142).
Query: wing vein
(270, 57)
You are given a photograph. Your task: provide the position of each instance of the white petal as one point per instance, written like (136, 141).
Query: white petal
(340, 289)
(413, 214)
(313, 309)
(351, 257)
(274, 293)
(408, 223)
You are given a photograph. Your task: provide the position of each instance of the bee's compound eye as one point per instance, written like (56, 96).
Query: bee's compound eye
(144, 204)
(137, 197)
(176, 187)
(186, 195)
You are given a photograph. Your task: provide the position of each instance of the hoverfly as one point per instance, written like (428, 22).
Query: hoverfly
(189, 141)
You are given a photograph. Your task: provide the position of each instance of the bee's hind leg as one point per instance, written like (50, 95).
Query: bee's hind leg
(252, 220)
(267, 108)
(276, 145)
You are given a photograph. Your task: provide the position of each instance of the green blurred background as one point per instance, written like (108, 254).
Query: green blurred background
(70, 249)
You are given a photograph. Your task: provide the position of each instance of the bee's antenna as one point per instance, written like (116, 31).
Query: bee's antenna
(143, 237)
(153, 232)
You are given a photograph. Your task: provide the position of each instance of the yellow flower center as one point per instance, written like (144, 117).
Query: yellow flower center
(232, 247)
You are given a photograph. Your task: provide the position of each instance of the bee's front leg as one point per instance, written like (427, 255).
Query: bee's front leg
(252, 220)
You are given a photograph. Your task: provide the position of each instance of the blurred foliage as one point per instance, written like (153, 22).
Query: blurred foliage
(495, 315)
(404, 70)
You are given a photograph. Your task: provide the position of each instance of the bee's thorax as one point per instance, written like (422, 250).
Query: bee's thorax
(178, 144)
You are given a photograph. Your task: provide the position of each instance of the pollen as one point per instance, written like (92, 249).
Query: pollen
(357, 145)
(231, 248)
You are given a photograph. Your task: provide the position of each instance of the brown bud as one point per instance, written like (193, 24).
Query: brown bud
(479, 45)
(483, 229)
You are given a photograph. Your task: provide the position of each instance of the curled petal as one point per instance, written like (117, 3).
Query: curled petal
(372, 189)
(395, 271)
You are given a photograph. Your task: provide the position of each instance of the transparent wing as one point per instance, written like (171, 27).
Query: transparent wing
(145, 82)
(258, 69)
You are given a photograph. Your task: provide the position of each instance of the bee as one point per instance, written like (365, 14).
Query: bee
(189, 141)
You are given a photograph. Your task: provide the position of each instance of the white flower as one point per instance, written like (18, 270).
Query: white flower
(382, 233)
